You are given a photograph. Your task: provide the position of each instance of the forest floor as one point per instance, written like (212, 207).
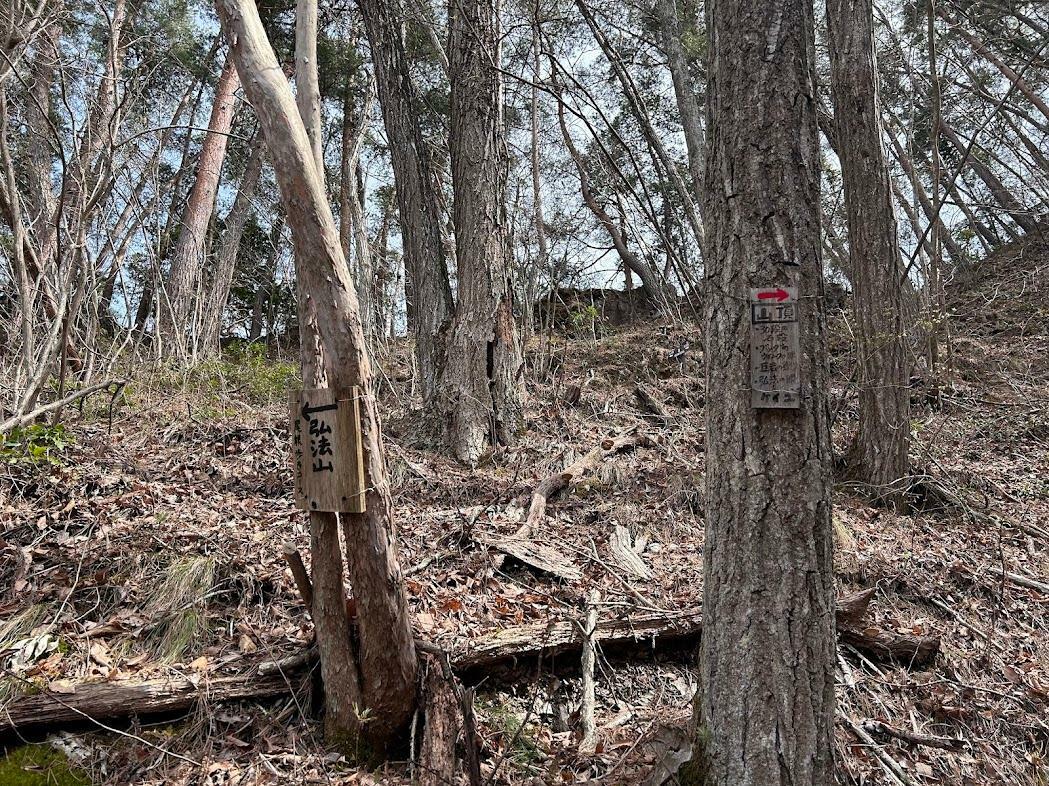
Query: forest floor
(151, 546)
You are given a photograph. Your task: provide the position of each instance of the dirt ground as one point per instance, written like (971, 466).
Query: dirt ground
(152, 546)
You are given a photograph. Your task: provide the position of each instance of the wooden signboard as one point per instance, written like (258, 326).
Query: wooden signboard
(775, 351)
(326, 450)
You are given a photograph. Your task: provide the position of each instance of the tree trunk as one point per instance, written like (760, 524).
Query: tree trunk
(307, 78)
(429, 292)
(229, 245)
(335, 356)
(652, 285)
(765, 713)
(637, 104)
(481, 386)
(187, 258)
(353, 230)
(878, 454)
(673, 31)
(1020, 214)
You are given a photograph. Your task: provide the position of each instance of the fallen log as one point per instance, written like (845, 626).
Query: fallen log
(101, 701)
(501, 648)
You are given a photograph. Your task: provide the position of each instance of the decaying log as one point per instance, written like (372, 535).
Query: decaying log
(626, 553)
(651, 405)
(883, 644)
(540, 556)
(500, 648)
(108, 700)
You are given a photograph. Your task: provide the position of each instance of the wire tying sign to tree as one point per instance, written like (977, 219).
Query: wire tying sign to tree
(326, 450)
(775, 354)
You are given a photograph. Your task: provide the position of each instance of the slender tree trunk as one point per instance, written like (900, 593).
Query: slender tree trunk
(481, 387)
(637, 104)
(264, 286)
(429, 293)
(673, 31)
(766, 705)
(187, 257)
(307, 78)
(229, 245)
(40, 204)
(335, 356)
(653, 286)
(878, 455)
(353, 229)
(980, 48)
(542, 261)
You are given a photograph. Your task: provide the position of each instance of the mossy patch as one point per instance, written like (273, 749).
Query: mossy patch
(39, 765)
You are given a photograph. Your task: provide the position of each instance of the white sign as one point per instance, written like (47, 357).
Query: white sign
(775, 348)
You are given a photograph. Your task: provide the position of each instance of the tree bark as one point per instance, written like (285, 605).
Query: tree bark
(335, 356)
(229, 245)
(178, 324)
(481, 386)
(673, 32)
(429, 292)
(765, 714)
(878, 455)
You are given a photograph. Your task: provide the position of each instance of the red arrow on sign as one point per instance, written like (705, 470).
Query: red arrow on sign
(779, 295)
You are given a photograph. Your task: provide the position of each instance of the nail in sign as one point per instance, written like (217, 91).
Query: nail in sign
(326, 450)
(775, 351)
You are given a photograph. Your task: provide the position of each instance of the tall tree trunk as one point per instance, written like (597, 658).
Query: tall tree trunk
(229, 245)
(878, 455)
(178, 324)
(353, 229)
(766, 705)
(174, 187)
(40, 202)
(541, 265)
(429, 293)
(335, 356)
(673, 31)
(307, 78)
(481, 387)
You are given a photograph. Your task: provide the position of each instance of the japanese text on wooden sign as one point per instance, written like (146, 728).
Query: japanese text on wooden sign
(775, 353)
(326, 450)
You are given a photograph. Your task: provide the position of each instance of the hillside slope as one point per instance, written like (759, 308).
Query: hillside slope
(153, 547)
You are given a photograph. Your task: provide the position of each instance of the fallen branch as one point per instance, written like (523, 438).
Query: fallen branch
(889, 764)
(500, 648)
(541, 556)
(1022, 581)
(559, 481)
(14, 422)
(913, 737)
